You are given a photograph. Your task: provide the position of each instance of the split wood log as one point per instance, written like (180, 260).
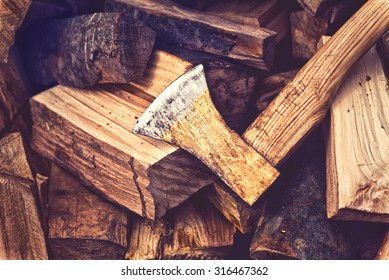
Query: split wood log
(81, 224)
(383, 252)
(89, 49)
(193, 30)
(357, 173)
(270, 87)
(193, 230)
(12, 13)
(174, 175)
(270, 14)
(233, 208)
(294, 224)
(303, 103)
(13, 90)
(21, 234)
(313, 7)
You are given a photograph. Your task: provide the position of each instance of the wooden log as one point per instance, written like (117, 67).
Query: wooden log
(270, 14)
(167, 176)
(383, 252)
(233, 208)
(192, 30)
(313, 7)
(13, 90)
(12, 13)
(89, 49)
(357, 185)
(294, 224)
(193, 230)
(81, 224)
(21, 234)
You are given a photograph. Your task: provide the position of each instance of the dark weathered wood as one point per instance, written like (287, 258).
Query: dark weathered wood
(85, 50)
(294, 224)
(194, 230)
(313, 7)
(383, 47)
(193, 30)
(12, 13)
(383, 252)
(21, 234)
(13, 90)
(42, 184)
(81, 224)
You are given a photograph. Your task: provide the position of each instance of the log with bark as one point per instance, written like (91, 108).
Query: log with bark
(294, 224)
(193, 230)
(21, 233)
(357, 174)
(81, 224)
(193, 30)
(12, 13)
(89, 49)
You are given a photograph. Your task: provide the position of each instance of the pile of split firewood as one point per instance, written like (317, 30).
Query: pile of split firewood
(112, 145)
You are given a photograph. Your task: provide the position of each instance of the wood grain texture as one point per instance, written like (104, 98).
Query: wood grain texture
(21, 234)
(270, 14)
(192, 30)
(294, 224)
(12, 13)
(304, 101)
(357, 175)
(81, 224)
(184, 115)
(193, 230)
(84, 50)
(88, 131)
(313, 7)
(383, 252)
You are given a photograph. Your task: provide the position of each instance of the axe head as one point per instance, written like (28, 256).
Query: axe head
(172, 103)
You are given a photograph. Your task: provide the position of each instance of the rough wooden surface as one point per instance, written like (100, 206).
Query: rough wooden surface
(184, 115)
(193, 230)
(383, 252)
(21, 234)
(357, 175)
(89, 49)
(304, 101)
(294, 224)
(12, 13)
(89, 131)
(81, 224)
(192, 30)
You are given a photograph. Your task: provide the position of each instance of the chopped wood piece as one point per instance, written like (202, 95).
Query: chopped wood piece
(357, 173)
(81, 224)
(269, 13)
(239, 213)
(21, 234)
(271, 86)
(383, 252)
(193, 30)
(313, 7)
(13, 90)
(12, 13)
(193, 230)
(294, 224)
(89, 49)
(88, 131)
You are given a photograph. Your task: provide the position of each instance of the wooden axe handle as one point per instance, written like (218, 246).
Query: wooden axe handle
(303, 103)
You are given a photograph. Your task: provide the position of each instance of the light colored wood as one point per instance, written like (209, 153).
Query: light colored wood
(184, 115)
(383, 252)
(313, 7)
(81, 224)
(192, 30)
(269, 14)
(357, 168)
(304, 101)
(21, 234)
(12, 13)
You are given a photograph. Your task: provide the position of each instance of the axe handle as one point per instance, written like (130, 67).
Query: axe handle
(303, 103)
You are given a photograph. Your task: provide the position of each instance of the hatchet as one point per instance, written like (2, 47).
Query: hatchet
(184, 115)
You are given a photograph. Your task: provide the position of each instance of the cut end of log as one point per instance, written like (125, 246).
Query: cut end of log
(172, 103)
